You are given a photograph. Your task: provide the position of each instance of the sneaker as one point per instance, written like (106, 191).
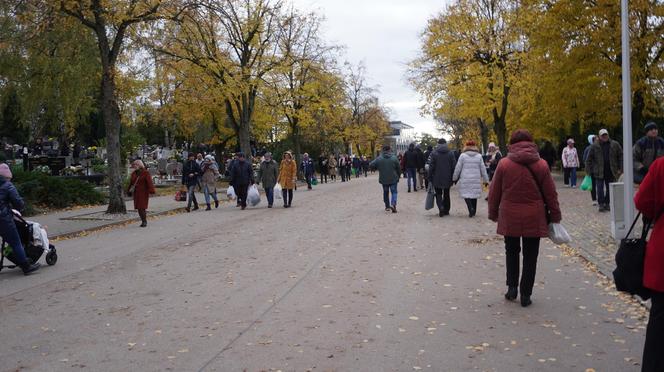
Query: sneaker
(607, 207)
(394, 209)
(388, 209)
(594, 203)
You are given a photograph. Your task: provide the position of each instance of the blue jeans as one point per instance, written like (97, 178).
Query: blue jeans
(269, 194)
(191, 197)
(412, 175)
(208, 193)
(10, 236)
(572, 177)
(386, 195)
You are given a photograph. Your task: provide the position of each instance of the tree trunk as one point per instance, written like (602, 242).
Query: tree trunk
(638, 105)
(500, 128)
(359, 150)
(297, 145)
(111, 117)
(484, 133)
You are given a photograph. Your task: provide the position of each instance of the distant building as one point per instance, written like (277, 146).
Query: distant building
(402, 135)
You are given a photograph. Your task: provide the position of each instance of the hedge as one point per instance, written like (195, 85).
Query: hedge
(42, 190)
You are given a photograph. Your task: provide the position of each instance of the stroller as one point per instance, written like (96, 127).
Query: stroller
(35, 242)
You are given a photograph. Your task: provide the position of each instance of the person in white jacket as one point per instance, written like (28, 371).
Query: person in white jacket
(469, 173)
(570, 162)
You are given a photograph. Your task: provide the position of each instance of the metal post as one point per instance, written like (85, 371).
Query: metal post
(628, 166)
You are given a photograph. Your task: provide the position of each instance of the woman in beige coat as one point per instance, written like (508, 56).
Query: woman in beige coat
(332, 168)
(287, 177)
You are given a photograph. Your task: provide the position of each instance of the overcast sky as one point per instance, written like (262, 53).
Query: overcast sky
(384, 34)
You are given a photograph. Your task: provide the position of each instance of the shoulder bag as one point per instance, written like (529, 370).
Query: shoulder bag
(557, 232)
(630, 258)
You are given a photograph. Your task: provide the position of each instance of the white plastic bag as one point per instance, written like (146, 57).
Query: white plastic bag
(231, 193)
(253, 197)
(558, 234)
(277, 191)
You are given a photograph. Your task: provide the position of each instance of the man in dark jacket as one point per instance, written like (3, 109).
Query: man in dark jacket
(605, 164)
(323, 168)
(646, 151)
(307, 168)
(269, 172)
(191, 172)
(410, 161)
(389, 172)
(441, 168)
(242, 175)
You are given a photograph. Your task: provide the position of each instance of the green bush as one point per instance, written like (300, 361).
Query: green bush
(39, 189)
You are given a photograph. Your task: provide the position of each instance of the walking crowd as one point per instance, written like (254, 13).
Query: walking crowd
(523, 200)
(522, 197)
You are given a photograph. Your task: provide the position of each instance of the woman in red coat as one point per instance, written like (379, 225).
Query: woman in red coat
(650, 201)
(516, 203)
(143, 187)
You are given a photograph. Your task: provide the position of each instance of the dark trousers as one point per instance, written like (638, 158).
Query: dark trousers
(603, 191)
(241, 191)
(593, 189)
(443, 199)
(412, 178)
(10, 236)
(287, 194)
(653, 352)
(472, 206)
(143, 214)
(269, 195)
(530, 253)
(566, 172)
(323, 177)
(343, 174)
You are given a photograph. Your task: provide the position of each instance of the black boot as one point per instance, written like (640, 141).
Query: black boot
(216, 203)
(30, 268)
(511, 293)
(208, 207)
(525, 301)
(195, 207)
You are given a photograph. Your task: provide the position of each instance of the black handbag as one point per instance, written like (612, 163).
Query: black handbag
(630, 258)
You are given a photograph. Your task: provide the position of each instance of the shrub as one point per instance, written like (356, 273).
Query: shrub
(39, 189)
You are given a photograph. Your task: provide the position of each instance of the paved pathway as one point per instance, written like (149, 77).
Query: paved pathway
(332, 284)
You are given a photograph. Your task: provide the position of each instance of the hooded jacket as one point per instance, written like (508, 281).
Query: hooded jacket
(515, 199)
(9, 199)
(287, 173)
(388, 168)
(269, 172)
(650, 201)
(441, 167)
(469, 173)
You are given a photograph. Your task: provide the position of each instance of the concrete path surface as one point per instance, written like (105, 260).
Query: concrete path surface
(332, 284)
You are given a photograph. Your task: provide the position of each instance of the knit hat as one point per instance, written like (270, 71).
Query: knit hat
(5, 171)
(470, 143)
(650, 126)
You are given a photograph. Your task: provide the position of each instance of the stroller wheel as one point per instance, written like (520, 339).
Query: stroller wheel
(51, 258)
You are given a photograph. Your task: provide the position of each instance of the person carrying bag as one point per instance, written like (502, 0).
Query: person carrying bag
(649, 200)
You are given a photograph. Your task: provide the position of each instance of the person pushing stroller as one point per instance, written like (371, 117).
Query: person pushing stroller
(10, 199)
